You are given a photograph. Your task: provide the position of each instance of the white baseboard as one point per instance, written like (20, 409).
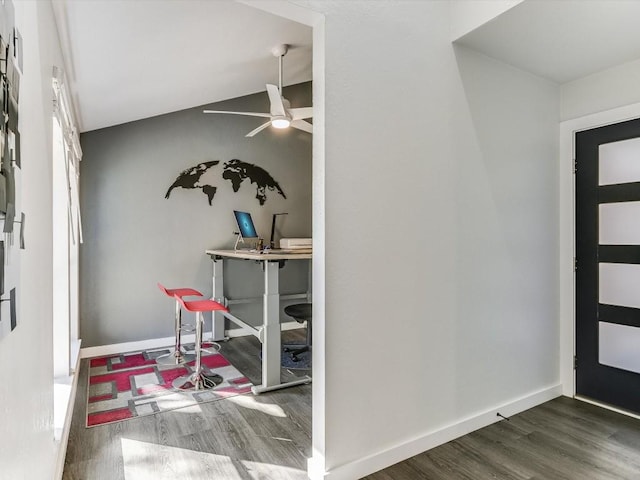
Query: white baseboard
(165, 342)
(373, 463)
(114, 348)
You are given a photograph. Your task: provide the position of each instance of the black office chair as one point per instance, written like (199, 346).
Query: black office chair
(301, 312)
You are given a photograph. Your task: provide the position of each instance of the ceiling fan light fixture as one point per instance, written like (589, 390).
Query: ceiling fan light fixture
(281, 115)
(280, 122)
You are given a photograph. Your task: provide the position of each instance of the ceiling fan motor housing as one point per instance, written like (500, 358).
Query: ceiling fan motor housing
(280, 50)
(287, 106)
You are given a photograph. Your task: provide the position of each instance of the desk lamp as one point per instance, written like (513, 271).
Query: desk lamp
(273, 227)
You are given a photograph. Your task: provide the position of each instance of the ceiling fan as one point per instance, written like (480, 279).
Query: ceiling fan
(281, 114)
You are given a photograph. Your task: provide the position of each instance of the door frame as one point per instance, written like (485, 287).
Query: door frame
(566, 221)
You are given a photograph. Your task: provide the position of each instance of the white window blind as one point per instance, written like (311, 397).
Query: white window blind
(63, 111)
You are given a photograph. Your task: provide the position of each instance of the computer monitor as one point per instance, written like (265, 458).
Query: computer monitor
(245, 225)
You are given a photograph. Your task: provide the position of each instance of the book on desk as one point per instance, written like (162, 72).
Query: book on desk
(275, 251)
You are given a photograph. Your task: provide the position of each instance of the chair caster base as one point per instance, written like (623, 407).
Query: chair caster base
(175, 358)
(295, 350)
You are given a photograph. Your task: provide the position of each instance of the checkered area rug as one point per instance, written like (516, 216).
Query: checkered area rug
(131, 385)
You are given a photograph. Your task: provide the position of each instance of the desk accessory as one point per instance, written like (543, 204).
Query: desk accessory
(246, 228)
(273, 228)
(296, 243)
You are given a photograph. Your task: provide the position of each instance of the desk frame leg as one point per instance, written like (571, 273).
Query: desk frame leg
(271, 346)
(271, 354)
(217, 319)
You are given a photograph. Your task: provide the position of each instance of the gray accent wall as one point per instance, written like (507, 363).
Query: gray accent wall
(134, 237)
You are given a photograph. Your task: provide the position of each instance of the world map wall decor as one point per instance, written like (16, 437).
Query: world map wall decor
(235, 171)
(11, 65)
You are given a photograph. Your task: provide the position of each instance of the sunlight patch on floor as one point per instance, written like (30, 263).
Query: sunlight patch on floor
(148, 461)
(251, 401)
(177, 401)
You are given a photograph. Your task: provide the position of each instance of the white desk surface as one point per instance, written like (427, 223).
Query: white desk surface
(264, 256)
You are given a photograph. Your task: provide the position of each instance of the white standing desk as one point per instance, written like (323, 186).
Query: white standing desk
(269, 332)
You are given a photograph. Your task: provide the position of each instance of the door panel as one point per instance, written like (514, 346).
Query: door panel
(608, 264)
(619, 284)
(619, 223)
(618, 346)
(619, 162)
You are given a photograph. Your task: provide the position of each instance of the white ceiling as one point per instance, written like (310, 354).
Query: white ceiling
(133, 59)
(562, 40)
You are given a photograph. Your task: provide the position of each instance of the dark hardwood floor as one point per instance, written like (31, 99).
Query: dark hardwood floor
(269, 437)
(245, 437)
(563, 439)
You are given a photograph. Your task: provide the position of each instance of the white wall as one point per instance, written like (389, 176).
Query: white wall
(507, 232)
(27, 448)
(468, 15)
(441, 234)
(611, 88)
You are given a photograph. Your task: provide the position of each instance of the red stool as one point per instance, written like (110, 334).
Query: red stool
(177, 357)
(198, 379)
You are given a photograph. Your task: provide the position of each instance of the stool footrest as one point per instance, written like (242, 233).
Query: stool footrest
(211, 347)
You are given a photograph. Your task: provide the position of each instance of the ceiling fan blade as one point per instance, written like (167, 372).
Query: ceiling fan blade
(251, 114)
(259, 129)
(300, 113)
(302, 125)
(277, 107)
